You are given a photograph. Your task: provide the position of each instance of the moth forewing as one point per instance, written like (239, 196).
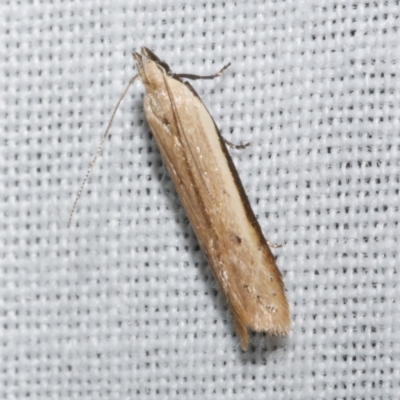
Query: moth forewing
(214, 200)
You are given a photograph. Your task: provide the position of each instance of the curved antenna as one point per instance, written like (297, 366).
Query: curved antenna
(99, 148)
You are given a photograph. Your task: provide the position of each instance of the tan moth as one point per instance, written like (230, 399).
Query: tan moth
(213, 197)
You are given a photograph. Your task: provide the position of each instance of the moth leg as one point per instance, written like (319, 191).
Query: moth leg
(274, 245)
(216, 75)
(194, 77)
(236, 146)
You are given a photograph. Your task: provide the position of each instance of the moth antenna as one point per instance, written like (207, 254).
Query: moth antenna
(96, 156)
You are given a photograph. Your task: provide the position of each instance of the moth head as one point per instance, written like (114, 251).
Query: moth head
(147, 55)
(150, 67)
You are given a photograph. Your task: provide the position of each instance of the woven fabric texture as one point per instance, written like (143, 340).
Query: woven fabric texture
(122, 305)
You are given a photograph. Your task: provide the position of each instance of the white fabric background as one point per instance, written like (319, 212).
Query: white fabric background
(123, 304)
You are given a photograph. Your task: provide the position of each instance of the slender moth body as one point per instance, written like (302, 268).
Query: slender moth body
(214, 200)
(213, 197)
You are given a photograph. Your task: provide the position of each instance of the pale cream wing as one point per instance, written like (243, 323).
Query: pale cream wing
(215, 203)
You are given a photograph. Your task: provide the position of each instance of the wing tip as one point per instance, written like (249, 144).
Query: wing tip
(277, 325)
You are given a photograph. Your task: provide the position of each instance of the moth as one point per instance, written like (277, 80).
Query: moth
(208, 185)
